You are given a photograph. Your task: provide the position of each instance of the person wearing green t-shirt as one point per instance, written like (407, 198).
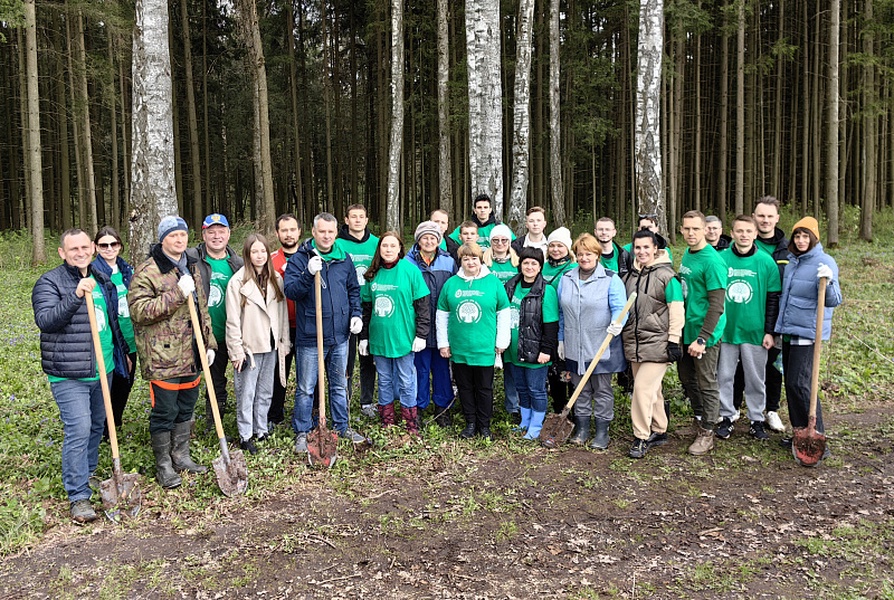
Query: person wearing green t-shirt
(396, 322)
(703, 274)
(484, 219)
(534, 319)
(356, 240)
(649, 222)
(614, 258)
(217, 262)
(752, 305)
(109, 261)
(559, 260)
(500, 258)
(472, 330)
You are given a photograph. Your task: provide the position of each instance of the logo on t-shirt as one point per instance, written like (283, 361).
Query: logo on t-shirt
(101, 322)
(216, 289)
(361, 271)
(468, 312)
(384, 306)
(739, 292)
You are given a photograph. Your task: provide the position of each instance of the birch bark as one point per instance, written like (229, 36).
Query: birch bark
(395, 150)
(647, 144)
(521, 132)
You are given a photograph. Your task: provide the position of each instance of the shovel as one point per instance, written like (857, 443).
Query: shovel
(120, 494)
(322, 444)
(557, 427)
(232, 474)
(808, 446)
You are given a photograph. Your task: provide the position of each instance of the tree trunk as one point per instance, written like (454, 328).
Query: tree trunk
(832, 124)
(115, 201)
(740, 110)
(83, 110)
(395, 150)
(521, 131)
(194, 157)
(445, 175)
(293, 95)
(723, 149)
(647, 144)
(64, 158)
(32, 142)
(555, 131)
(869, 128)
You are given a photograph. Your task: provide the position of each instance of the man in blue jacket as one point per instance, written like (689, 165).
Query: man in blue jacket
(341, 317)
(68, 359)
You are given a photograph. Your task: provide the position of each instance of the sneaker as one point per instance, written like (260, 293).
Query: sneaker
(704, 443)
(249, 446)
(757, 431)
(724, 429)
(484, 432)
(350, 434)
(639, 448)
(786, 442)
(774, 422)
(265, 436)
(368, 410)
(468, 432)
(301, 443)
(82, 512)
(656, 439)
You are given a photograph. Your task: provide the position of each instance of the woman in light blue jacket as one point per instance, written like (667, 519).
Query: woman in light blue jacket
(797, 316)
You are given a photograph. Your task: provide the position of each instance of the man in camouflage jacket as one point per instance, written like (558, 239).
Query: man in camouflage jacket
(166, 345)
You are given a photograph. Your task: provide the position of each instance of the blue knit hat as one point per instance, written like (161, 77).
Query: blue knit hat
(170, 224)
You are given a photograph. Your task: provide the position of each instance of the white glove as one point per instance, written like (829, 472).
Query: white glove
(363, 347)
(561, 350)
(498, 361)
(210, 354)
(356, 325)
(418, 344)
(187, 284)
(315, 265)
(614, 328)
(824, 272)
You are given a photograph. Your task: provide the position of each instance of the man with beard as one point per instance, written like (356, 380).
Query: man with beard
(614, 258)
(288, 231)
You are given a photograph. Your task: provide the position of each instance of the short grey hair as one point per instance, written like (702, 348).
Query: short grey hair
(325, 216)
(712, 219)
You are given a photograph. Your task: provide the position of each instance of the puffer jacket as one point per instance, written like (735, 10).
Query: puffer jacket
(253, 319)
(435, 276)
(66, 342)
(800, 290)
(534, 336)
(163, 330)
(650, 323)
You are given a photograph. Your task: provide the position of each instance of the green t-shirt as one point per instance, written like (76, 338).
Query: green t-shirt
(673, 291)
(392, 325)
(554, 274)
(701, 272)
(472, 324)
(550, 313)
(361, 254)
(504, 271)
(124, 321)
(749, 280)
(217, 296)
(105, 336)
(611, 262)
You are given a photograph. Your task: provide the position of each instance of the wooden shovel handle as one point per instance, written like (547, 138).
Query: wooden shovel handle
(103, 375)
(318, 296)
(817, 346)
(206, 368)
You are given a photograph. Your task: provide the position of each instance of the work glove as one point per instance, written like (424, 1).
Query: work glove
(674, 352)
(315, 265)
(561, 350)
(187, 284)
(824, 272)
(363, 347)
(418, 344)
(210, 354)
(356, 325)
(614, 328)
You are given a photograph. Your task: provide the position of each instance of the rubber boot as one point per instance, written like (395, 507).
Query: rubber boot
(180, 451)
(410, 416)
(386, 414)
(525, 419)
(535, 425)
(581, 432)
(164, 471)
(600, 439)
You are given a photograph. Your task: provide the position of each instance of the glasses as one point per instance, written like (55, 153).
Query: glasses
(500, 241)
(108, 245)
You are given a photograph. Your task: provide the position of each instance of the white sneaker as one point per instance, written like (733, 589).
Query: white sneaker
(368, 410)
(774, 422)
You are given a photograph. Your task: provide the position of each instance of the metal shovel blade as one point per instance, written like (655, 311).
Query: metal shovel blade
(121, 497)
(808, 446)
(556, 430)
(322, 447)
(232, 475)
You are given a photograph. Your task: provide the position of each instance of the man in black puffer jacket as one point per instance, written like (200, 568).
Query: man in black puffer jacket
(68, 359)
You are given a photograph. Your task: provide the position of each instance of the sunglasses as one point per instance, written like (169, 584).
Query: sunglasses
(109, 245)
(648, 216)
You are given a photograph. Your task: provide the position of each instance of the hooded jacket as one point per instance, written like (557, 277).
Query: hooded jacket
(435, 276)
(777, 245)
(652, 321)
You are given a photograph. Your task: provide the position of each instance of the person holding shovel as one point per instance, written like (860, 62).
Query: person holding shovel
(808, 263)
(67, 357)
(257, 337)
(166, 346)
(396, 322)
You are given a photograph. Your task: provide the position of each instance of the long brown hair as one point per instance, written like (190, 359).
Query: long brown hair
(267, 274)
(377, 259)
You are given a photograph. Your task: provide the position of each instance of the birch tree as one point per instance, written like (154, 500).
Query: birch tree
(153, 195)
(647, 145)
(485, 101)
(832, 124)
(445, 175)
(32, 142)
(521, 132)
(395, 150)
(555, 131)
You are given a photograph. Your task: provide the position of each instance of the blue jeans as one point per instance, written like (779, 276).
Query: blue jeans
(530, 385)
(397, 379)
(83, 417)
(335, 359)
(441, 388)
(510, 388)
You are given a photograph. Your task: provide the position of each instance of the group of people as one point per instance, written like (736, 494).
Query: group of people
(449, 310)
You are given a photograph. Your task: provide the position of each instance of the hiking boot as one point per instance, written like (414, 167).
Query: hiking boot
(82, 512)
(368, 410)
(180, 449)
(468, 431)
(249, 446)
(581, 432)
(656, 439)
(484, 432)
(639, 448)
(301, 443)
(757, 431)
(600, 439)
(786, 442)
(350, 434)
(774, 423)
(724, 429)
(164, 469)
(704, 443)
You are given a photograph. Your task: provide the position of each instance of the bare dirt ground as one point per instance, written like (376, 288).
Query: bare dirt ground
(747, 522)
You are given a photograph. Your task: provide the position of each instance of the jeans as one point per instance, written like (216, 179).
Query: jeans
(254, 391)
(397, 379)
(367, 372)
(530, 385)
(83, 417)
(441, 388)
(335, 359)
(510, 403)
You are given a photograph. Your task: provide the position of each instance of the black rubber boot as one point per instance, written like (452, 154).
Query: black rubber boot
(581, 432)
(180, 451)
(600, 439)
(164, 470)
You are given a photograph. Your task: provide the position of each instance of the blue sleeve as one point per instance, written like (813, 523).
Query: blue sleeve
(617, 298)
(833, 289)
(297, 281)
(53, 307)
(353, 288)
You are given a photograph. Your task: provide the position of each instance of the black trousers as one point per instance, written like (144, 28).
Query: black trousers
(120, 392)
(772, 382)
(367, 372)
(797, 362)
(475, 387)
(218, 380)
(276, 414)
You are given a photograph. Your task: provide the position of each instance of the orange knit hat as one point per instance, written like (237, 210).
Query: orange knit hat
(808, 223)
